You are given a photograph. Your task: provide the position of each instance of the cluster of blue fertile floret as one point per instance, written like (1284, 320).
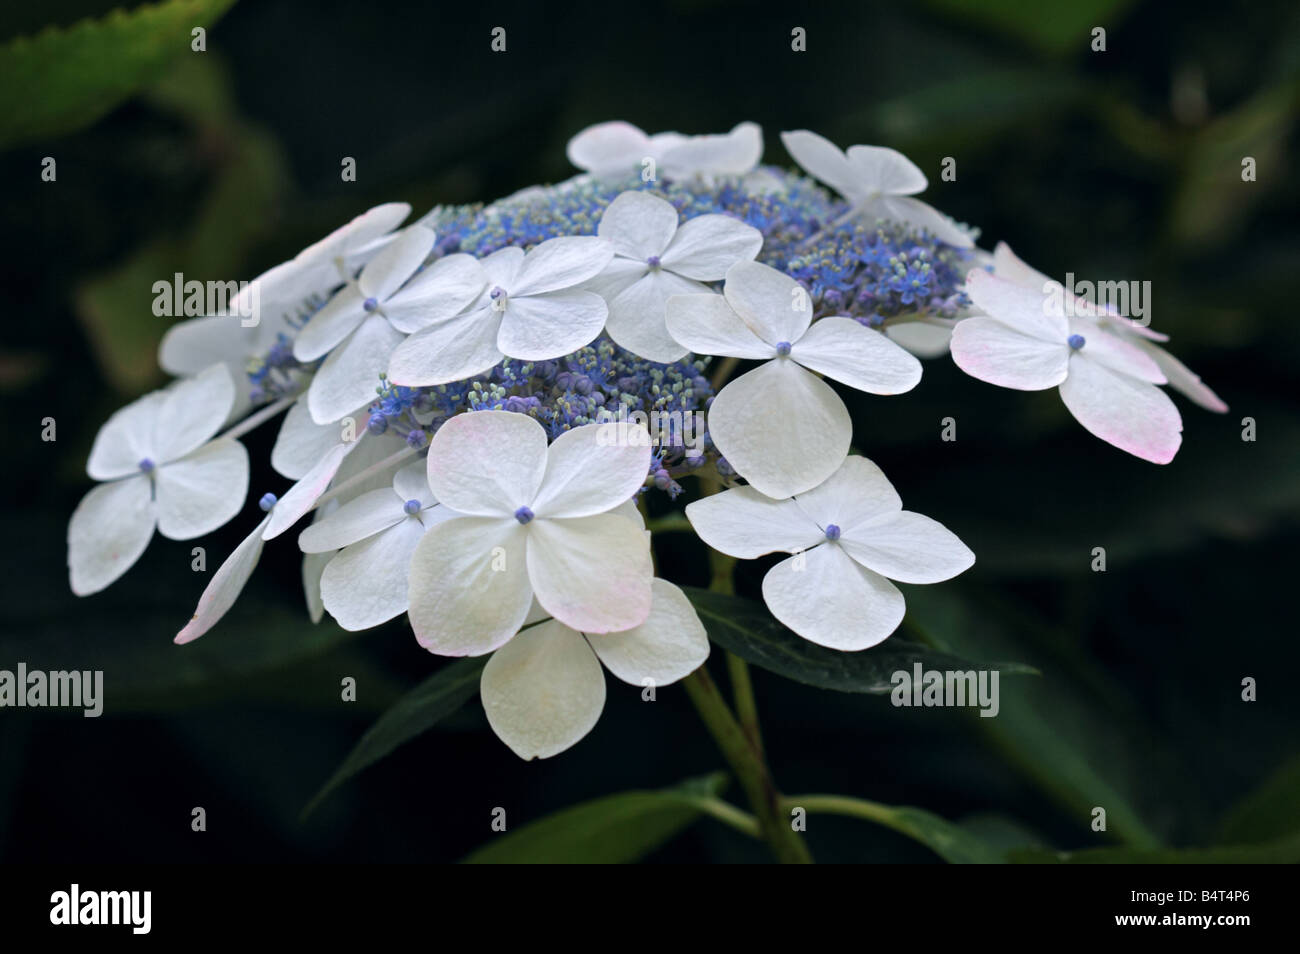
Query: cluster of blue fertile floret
(871, 271)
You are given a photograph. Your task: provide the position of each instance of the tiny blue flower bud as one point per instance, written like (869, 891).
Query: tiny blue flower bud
(832, 532)
(370, 304)
(653, 261)
(1075, 341)
(783, 349)
(411, 506)
(267, 501)
(377, 424)
(523, 515)
(417, 438)
(497, 293)
(146, 465)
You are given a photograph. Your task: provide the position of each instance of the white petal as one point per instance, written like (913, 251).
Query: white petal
(411, 482)
(770, 302)
(743, 523)
(728, 154)
(1037, 312)
(502, 266)
(987, 349)
(302, 496)
(707, 245)
(108, 531)
(469, 586)
(638, 315)
(444, 289)
(487, 463)
(781, 427)
(390, 269)
(908, 547)
(857, 493)
(350, 375)
(1007, 264)
(921, 339)
(451, 350)
(365, 584)
(616, 276)
(226, 585)
(922, 216)
(542, 327)
(858, 356)
(362, 230)
(561, 263)
(706, 324)
(202, 490)
(125, 439)
(302, 442)
(609, 149)
(592, 469)
(670, 644)
(822, 160)
(591, 573)
(638, 225)
(337, 319)
(364, 516)
(1182, 379)
(543, 691)
(881, 169)
(1115, 352)
(190, 346)
(313, 565)
(828, 599)
(194, 410)
(1132, 415)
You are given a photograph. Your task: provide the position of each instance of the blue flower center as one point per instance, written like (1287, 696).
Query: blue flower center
(1075, 341)
(523, 515)
(411, 506)
(146, 465)
(783, 349)
(267, 501)
(832, 532)
(653, 261)
(497, 293)
(370, 304)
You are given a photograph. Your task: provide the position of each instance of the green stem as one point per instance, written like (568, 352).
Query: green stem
(843, 805)
(730, 815)
(749, 767)
(742, 691)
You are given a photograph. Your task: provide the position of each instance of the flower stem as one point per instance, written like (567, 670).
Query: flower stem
(742, 691)
(372, 470)
(258, 419)
(749, 767)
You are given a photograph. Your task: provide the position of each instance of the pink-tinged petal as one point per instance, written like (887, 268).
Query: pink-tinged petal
(201, 491)
(782, 428)
(638, 315)
(830, 600)
(1114, 352)
(823, 160)
(1007, 264)
(487, 463)
(561, 263)
(1132, 415)
(857, 493)
(348, 378)
(451, 350)
(743, 523)
(1182, 379)
(638, 225)
(591, 573)
(706, 324)
(543, 691)
(908, 547)
(858, 356)
(669, 645)
(609, 149)
(707, 245)
(885, 170)
(366, 583)
(770, 302)
(108, 531)
(592, 469)
(987, 349)
(469, 589)
(389, 270)
(225, 586)
(1036, 312)
(302, 496)
(543, 327)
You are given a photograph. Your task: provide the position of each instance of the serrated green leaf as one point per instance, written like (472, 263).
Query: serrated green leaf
(61, 79)
(418, 711)
(745, 628)
(616, 829)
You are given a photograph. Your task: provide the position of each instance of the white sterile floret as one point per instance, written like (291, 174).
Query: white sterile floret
(530, 309)
(365, 582)
(616, 150)
(877, 182)
(162, 470)
(780, 426)
(850, 536)
(1026, 342)
(1006, 264)
(544, 689)
(535, 520)
(656, 258)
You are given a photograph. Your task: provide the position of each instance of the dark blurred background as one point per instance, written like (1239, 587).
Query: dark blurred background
(1123, 164)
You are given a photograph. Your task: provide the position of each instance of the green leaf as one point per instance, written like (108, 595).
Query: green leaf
(616, 829)
(745, 628)
(1282, 851)
(1052, 27)
(418, 711)
(1271, 811)
(62, 79)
